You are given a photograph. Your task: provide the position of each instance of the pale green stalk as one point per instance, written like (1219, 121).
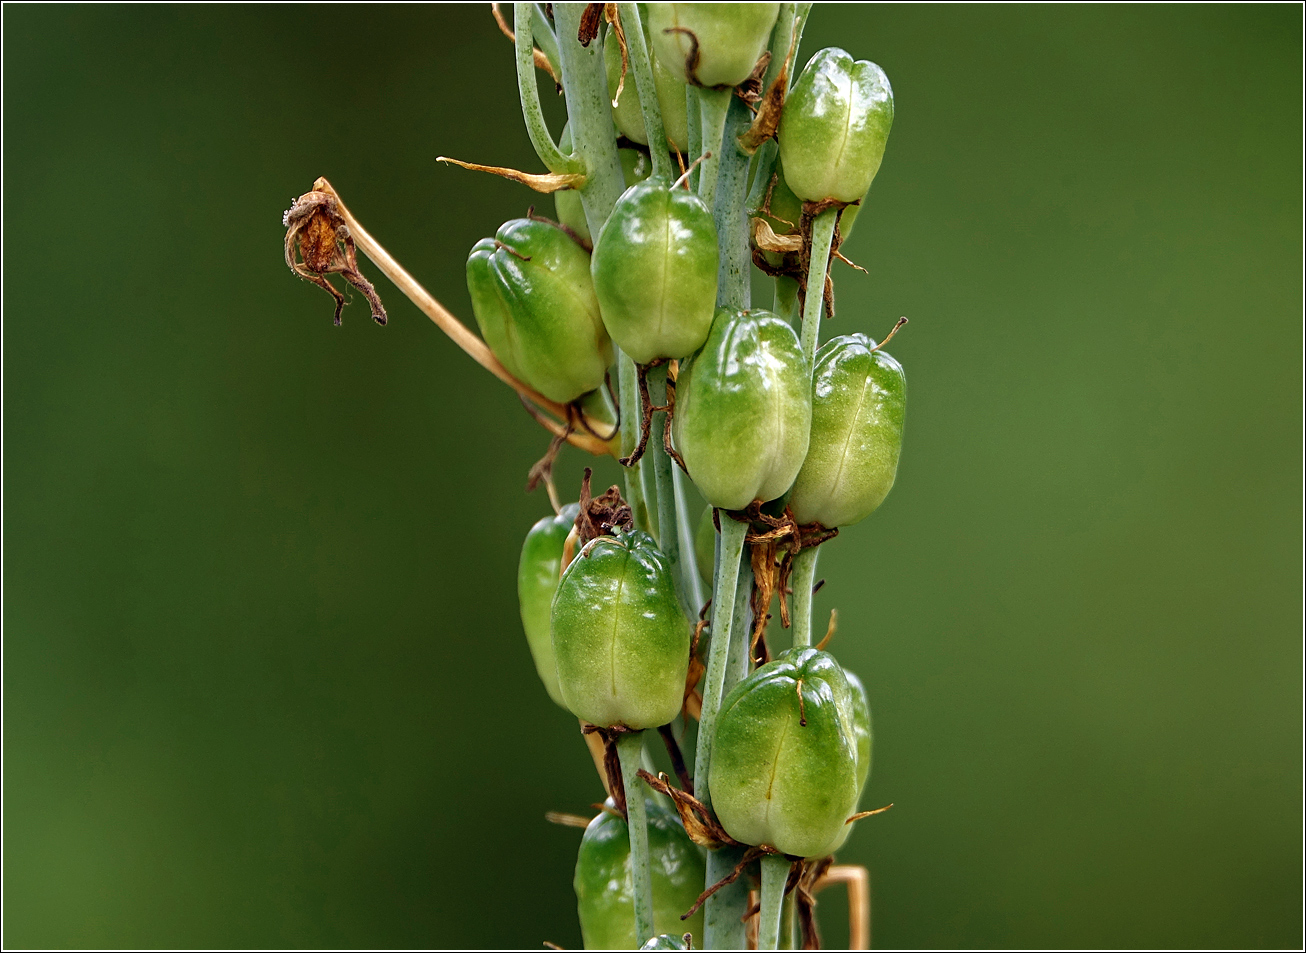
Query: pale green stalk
(688, 551)
(648, 94)
(694, 116)
(628, 393)
(544, 38)
(804, 573)
(789, 922)
(775, 871)
(822, 236)
(714, 104)
(528, 90)
(630, 747)
(730, 213)
(668, 523)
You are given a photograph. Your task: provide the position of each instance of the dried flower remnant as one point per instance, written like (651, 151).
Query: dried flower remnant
(315, 225)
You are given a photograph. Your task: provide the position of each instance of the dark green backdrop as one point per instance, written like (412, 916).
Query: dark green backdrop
(264, 682)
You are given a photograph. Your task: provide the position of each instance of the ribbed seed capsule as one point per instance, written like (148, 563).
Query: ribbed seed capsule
(834, 127)
(711, 44)
(537, 581)
(534, 302)
(605, 896)
(620, 641)
(744, 409)
(863, 736)
(785, 762)
(859, 402)
(655, 271)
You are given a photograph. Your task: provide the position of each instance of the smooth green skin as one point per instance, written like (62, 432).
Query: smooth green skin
(775, 781)
(744, 409)
(655, 271)
(705, 545)
(861, 719)
(540, 316)
(620, 641)
(537, 581)
(627, 114)
(666, 942)
(604, 892)
(859, 401)
(834, 127)
(635, 166)
(731, 37)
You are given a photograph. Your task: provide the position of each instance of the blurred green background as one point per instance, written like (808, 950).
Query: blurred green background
(264, 681)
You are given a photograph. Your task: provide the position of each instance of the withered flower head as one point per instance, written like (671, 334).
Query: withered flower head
(315, 224)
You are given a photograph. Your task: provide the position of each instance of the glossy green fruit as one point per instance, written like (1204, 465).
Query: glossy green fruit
(534, 302)
(635, 167)
(834, 127)
(744, 409)
(774, 779)
(727, 38)
(666, 941)
(627, 113)
(861, 721)
(537, 581)
(655, 271)
(859, 401)
(620, 641)
(604, 892)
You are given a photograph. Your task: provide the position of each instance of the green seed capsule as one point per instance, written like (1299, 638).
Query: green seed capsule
(666, 941)
(784, 766)
(859, 400)
(655, 271)
(635, 166)
(744, 409)
(620, 641)
(534, 301)
(537, 581)
(711, 44)
(627, 114)
(861, 721)
(834, 127)
(605, 897)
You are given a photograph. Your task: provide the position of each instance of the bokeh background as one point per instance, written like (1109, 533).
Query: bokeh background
(264, 681)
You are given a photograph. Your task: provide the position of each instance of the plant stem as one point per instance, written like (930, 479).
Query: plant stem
(775, 871)
(668, 523)
(818, 264)
(544, 38)
(714, 104)
(630, 747)
(737, 662)
(729, 211)
(528, 90)
(688, 550)
(593, 135)
(723, 601)
(803, 573)
(694, 120)
(628, 394)
(788, 922)
(648, 93)
(723, 926)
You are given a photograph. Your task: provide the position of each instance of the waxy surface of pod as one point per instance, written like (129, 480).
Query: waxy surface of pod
(863, 736)
(537, 581)
(775, 780)
(744, 409)
(711, 44)
(605, 897)
(655, 271)
(534, 302)
(627, 113)
(620, 641)
(834, 127)
(859, 402)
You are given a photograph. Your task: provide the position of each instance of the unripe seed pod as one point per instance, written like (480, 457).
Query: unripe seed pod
(534, 302)
(655, 271)
(859, 401)
(711, 44)
(862, 733)
(784, 759)
(605, 895)
(537, 581)
(620, 641)
(834, 127)
(665, 941)
(627, 113)
(744, 409)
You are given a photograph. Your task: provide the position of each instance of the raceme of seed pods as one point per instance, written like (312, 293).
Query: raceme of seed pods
(690, 155)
